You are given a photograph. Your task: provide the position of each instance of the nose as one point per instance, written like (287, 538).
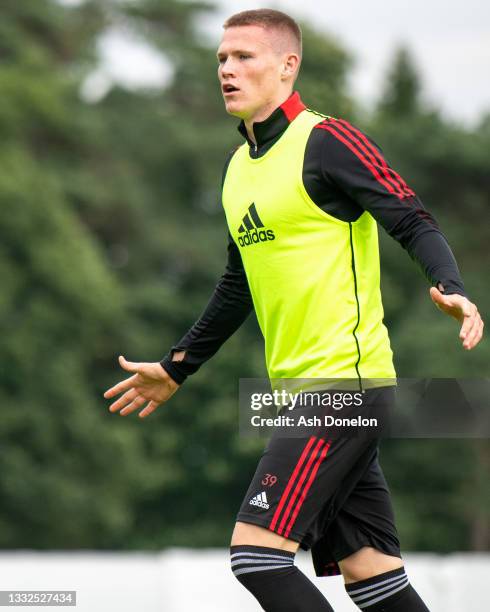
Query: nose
(226, 68)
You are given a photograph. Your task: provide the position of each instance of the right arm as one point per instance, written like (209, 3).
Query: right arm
(152, 384)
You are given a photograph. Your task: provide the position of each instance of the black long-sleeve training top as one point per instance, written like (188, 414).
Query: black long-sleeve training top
(344, 178)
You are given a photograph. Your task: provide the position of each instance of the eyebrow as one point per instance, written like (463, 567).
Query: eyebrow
(234, 52)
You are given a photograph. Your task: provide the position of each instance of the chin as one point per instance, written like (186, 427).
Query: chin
(235, 109)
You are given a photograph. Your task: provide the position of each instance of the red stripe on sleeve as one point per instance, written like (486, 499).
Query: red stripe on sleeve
(371, 167)
(406, 189)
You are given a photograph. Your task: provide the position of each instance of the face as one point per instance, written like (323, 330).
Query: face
(251, 70)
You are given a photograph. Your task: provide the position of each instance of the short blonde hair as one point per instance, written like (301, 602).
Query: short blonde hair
(270, 19)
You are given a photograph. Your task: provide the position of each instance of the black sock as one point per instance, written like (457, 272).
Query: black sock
(388, 592)
(277, 584)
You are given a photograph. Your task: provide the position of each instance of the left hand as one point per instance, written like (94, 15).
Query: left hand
(465, 312)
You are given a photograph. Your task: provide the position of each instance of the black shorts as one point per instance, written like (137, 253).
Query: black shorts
(327, 493)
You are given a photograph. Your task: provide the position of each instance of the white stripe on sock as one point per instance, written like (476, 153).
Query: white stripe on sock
(371, 602)
(380, 589)
(248, 570)
(375, 585)
(255, 561)
(252, 554)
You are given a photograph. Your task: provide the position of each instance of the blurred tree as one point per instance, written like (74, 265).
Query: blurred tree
(62, 309)
(402, 87)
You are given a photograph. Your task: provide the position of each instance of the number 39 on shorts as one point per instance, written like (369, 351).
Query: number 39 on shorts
(269, 480)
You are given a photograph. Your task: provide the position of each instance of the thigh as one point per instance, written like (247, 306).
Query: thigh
(367, 562)
(254, 535)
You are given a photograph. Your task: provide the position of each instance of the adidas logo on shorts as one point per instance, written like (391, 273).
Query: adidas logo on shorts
(252, 230)
(260, 500)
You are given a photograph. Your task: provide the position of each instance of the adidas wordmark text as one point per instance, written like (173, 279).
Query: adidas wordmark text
(260, 500)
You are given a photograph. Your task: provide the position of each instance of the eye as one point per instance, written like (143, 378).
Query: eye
(244, 56)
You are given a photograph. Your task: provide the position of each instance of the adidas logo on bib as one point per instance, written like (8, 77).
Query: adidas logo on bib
(252, 230)
(260, 500)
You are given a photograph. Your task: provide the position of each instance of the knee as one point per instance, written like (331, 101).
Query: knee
(255, 550)
(246, 534)
(367, 562)
(250, 564)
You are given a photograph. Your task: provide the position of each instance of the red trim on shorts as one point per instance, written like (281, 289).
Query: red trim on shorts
(299, 485)
(305, 490)
(290, 484)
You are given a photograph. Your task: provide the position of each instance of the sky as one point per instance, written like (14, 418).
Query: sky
(449, 42)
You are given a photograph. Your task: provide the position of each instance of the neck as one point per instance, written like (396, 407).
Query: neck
(263, 112)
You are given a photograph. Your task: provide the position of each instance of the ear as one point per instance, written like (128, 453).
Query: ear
(290, 65)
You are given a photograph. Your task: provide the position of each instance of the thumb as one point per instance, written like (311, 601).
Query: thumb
(130, 366)
(436, 296)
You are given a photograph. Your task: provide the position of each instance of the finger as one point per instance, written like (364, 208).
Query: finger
(473, 331)
(474, 336)
(468, 325)
(130, 366)
(134, 405)
(471, 315)
(127, 398)
(124, 385)
(148, 409)
(479, 335)
(469, 321)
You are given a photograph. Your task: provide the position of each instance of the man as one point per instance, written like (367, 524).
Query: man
(302, 196)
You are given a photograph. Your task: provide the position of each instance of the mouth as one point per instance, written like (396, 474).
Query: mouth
(228, 89)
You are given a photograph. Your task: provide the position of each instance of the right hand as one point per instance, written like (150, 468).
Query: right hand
(149, 383)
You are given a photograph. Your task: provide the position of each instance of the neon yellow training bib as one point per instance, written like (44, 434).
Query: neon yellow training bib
(314, 279)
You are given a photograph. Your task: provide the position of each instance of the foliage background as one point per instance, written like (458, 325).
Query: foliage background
(111, 241)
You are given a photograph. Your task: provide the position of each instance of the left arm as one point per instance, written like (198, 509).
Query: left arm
(354, 163)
